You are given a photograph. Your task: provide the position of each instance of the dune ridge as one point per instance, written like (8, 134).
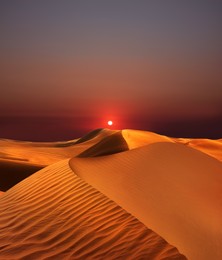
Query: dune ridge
(55, 214)
(210, 147)
(91, 135)
(47, 153)
(111, 144)
(173, 189)
(139, 138)
(20, 159)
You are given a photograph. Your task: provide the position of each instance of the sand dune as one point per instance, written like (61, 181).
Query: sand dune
(207, 146)
(47, 153)
(111, 144)
(138, 138)
(54, 214)
(171, 188)
(210, 147)
(95, 135)
(93, 144)
(172, 185)
(41, 154)
(19, 159)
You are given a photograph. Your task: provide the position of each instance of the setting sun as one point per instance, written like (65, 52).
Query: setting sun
(110, 122)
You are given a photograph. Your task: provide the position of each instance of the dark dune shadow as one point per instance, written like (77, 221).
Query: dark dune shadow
(89, 136)
(114, 143)
(12, 173)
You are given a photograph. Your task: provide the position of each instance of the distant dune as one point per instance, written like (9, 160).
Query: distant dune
(210, 147)
(125, 194)
(111, 144)
(138, 138)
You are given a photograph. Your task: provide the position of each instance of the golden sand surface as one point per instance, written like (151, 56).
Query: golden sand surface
(112, 194)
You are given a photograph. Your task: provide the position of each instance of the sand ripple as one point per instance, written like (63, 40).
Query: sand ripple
(54, 214)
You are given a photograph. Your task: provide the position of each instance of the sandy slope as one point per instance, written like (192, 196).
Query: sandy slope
(138, 138)
(173, 189)
(210, 147)
(44, 154)
(207, 146)
(19, 159)
(54, 214)
(114, 143)
(167, 184)
(101, 141)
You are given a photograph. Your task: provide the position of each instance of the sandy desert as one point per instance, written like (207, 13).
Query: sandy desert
(112, 194)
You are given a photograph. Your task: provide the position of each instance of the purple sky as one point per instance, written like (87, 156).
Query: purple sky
(68, 67)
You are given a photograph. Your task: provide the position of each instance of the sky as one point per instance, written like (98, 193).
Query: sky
(67, 67)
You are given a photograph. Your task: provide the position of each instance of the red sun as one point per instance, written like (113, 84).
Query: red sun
(110, 122)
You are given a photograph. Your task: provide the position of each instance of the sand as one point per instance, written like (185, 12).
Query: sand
(111, 194)
(138, 138)
(114, 143)
(47, 153)
(210, 147)
(54, 214)
(180, 199)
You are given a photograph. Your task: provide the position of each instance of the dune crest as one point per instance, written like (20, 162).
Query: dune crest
(210, 147)
(20, 159)
(139, 138)
(173, 189)
(95, 134)
(111, 144)
(46, 153)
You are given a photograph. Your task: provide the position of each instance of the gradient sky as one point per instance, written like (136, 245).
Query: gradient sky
(67, 67)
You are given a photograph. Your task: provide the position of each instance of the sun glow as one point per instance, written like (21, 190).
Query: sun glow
(110, 122)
